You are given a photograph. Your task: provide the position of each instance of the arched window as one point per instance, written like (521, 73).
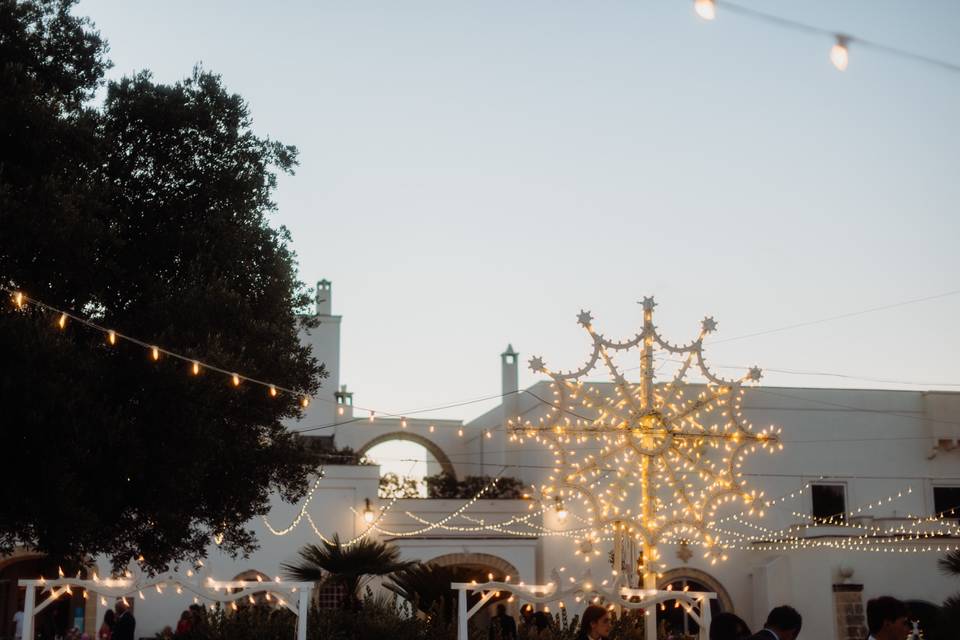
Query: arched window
(405, 459)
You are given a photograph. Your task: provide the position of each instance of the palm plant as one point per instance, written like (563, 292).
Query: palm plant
(347, 566)
(950, 611)
(426, 586)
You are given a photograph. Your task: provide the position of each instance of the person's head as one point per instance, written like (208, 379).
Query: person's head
(728, 626)
(501, 610)
(595, 622)
(541, 620)
(785, 621)
(109, 618)
(887, 618)
(186, 615)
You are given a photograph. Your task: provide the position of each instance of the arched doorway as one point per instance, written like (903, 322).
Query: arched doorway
(672, 615)
(482, 567)
(59, 617)
(405, 459)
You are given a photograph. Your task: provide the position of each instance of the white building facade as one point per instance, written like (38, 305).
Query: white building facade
(893, 455)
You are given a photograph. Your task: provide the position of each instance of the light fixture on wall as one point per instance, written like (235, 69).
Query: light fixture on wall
(368, 515)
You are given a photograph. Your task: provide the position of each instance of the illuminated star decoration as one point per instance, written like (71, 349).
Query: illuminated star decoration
(670, 453)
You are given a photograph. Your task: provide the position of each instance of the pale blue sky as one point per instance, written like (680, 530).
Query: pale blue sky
(475, 173)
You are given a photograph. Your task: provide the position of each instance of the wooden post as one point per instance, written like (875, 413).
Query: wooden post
(462, 615)
(29, 603)
(303, 610)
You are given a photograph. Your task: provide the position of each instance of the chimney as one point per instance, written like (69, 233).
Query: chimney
(324, 298)
(509, 384)
(344, 404)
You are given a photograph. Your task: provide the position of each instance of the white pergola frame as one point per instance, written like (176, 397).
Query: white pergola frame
(585, 590)
(206, 588)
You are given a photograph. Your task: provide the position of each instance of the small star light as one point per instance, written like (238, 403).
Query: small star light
(650, 461)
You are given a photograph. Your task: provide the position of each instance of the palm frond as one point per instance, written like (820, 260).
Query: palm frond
(950, 564)
(347, 565)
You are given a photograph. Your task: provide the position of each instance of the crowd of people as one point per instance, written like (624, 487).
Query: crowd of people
(119, 624)
(887, 619)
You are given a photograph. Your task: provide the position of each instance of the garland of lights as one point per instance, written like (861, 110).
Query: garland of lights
(649, 432)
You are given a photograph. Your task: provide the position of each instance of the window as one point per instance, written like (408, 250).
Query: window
(829, 502)
(946, 501)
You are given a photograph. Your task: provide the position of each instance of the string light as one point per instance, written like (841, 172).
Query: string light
(62, 321)
(155, 353)
(272, 391)
(706, 9)
(654, 440)
(195, 368)
(112, 337)
(236, 380)
(839, 53)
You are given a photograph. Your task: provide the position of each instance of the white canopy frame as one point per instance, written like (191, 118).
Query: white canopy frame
(585, 590)
(295, 596)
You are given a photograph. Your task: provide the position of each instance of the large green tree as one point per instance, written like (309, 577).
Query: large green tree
(147, 213)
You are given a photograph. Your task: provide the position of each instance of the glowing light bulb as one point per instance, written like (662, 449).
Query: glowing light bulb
(273, 391)
(706, 9)
(368, 515)
(112, 337)
(372, 414)
(460, 432)
(155, 353)
(340, 411)
(236, 380)
(839, 54)
(62, 322)
(195, 368)
(403, 423)
(305, 402)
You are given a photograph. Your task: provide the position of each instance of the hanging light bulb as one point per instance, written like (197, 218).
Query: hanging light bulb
(371, 416)
(561, 510)
(305, 402)
(368, 515)
(706, 9)
(62, 322)
(155, 353)
(195, 368)
(236, 380)
(18, 299)
(112, 337)
(403, 423)
(839, 53)
(273, 391)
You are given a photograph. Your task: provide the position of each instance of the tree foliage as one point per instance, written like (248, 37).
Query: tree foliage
(148, 214)
(445, 485)
(393, 486)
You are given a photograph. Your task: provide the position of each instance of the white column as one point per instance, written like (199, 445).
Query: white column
(705, 613)
(462, 615)
(28, 606)
(303, 611)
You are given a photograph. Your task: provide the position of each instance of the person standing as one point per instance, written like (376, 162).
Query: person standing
(106, 629)
(18, 625)
(503, 623)
(594, 624)
(126, 624)
(887, 619)
(783, 623)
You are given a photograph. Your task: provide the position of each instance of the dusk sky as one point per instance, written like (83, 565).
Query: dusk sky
(475, 173)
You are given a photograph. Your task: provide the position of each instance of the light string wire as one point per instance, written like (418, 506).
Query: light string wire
(20, 299)
(840, 37)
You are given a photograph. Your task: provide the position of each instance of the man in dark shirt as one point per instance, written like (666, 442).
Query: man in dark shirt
(126, 624)
(504, 623)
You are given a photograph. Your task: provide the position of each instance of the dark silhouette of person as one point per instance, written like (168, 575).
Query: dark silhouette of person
(783, 623)
(506, 625)
(125, 626)
(728, 626)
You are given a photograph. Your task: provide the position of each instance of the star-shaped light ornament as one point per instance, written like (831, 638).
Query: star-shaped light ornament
(646, 461)
(584, 318)
(754, 374)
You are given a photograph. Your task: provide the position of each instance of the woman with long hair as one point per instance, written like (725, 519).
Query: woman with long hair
(594, 623)
(106, 629)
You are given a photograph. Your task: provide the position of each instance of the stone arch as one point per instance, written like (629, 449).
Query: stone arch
(438, 454)
(704, 578)
(485, 560)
